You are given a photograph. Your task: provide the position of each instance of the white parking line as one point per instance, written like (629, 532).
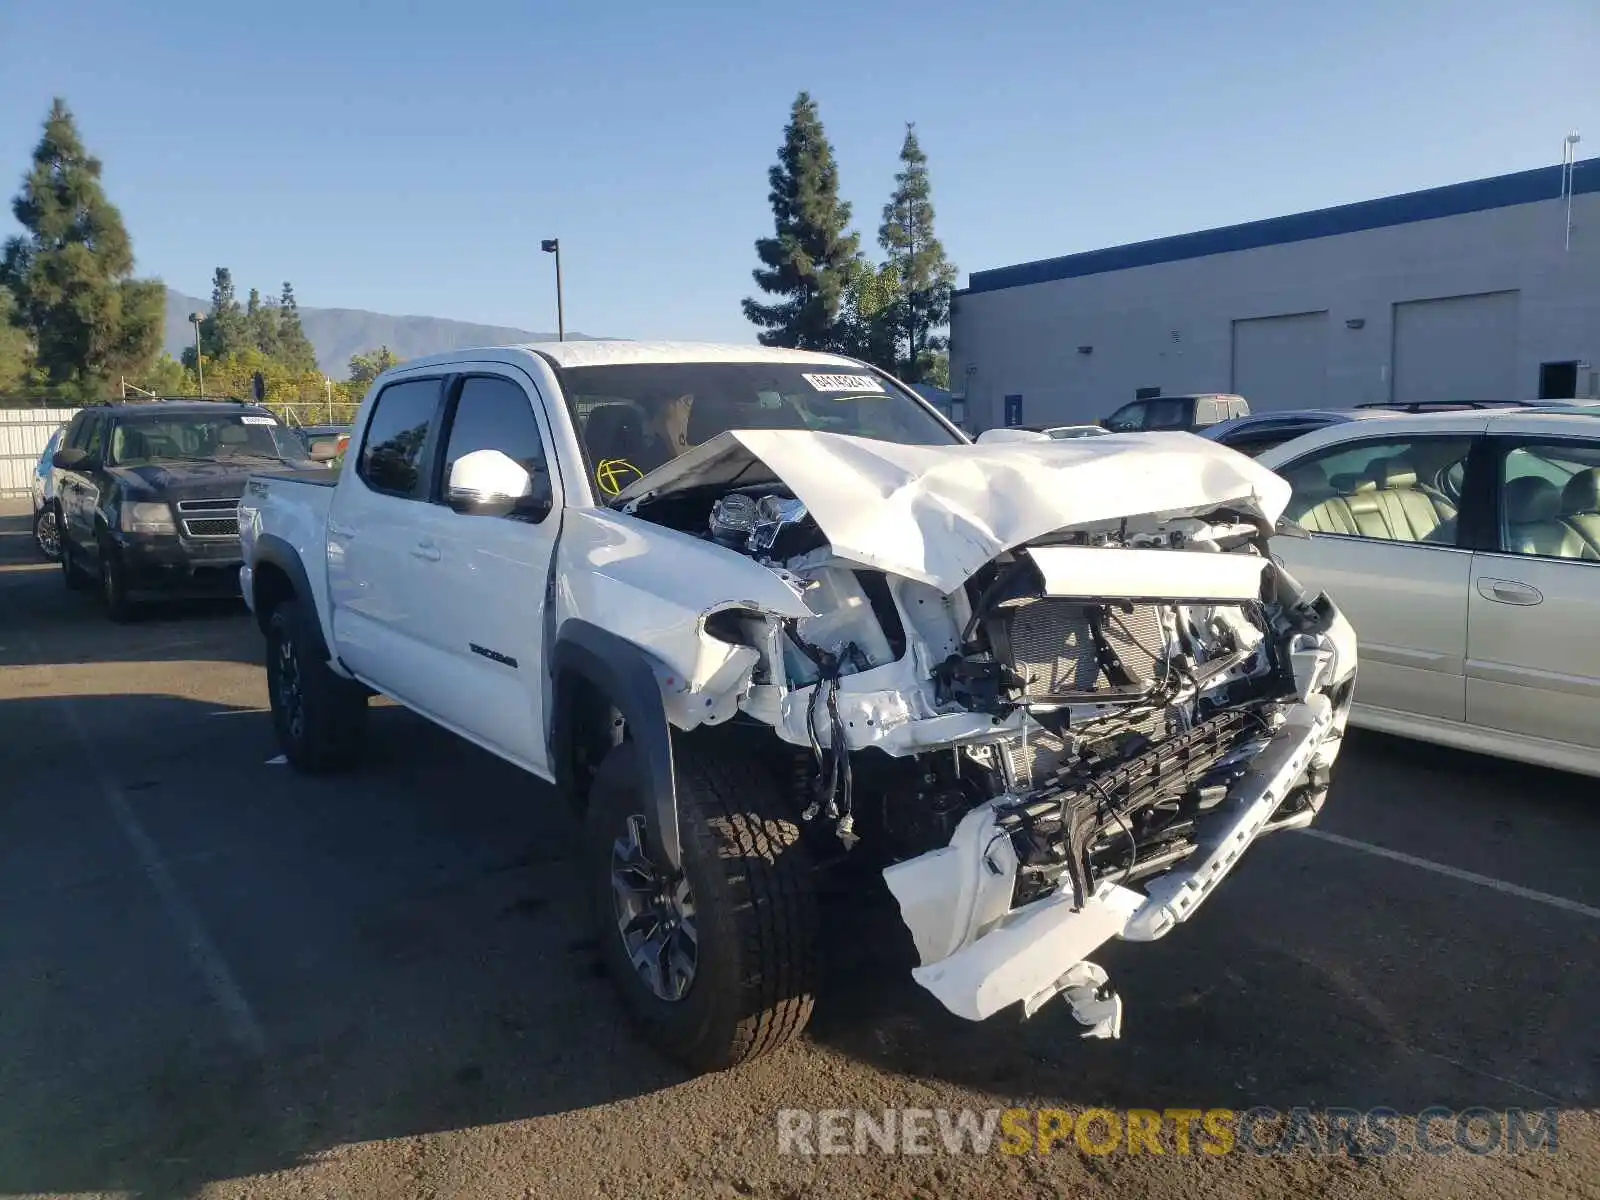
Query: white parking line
(203, 954)
(1425, 864)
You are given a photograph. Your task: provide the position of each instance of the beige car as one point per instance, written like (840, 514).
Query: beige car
(1465, 549)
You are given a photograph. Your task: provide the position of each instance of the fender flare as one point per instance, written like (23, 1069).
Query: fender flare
(270, 549)
(621, 672)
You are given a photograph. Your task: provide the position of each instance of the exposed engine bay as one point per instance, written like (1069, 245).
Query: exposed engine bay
(1075, 742)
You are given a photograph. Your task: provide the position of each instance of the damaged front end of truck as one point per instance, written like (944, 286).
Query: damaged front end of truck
(1058, 688)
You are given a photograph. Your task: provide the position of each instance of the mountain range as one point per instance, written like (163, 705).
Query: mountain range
(340, 333)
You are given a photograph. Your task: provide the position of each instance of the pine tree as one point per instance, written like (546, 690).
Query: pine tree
(294, 348)
(70, 273)
(811, 258)
(224, 333)
(261, 324)
(917, 259)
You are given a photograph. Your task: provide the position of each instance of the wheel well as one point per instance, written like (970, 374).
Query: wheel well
(272, 586)
(587, 724)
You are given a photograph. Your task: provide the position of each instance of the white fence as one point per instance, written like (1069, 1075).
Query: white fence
(23, 433)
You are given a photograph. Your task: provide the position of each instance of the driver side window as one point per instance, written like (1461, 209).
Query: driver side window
(1391, 490)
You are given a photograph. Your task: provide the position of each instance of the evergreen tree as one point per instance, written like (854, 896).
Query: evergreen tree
(811, 258)
(261, 324)
(70, 273)
(917, 259)
(293, 347)
(227, 333)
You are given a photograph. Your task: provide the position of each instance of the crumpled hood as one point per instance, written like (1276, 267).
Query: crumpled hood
(937, 514)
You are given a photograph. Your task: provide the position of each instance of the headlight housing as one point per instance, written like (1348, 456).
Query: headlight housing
(147, 518)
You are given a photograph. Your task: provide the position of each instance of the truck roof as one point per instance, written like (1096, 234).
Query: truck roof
(611, 351)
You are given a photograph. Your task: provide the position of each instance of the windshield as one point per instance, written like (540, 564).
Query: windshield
(634, 417)
(167, 437)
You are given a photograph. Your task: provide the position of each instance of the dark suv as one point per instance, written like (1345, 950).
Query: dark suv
(1177, 412)
(148, 494)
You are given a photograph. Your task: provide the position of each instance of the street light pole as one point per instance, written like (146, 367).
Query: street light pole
(553, 246)
(199, 364)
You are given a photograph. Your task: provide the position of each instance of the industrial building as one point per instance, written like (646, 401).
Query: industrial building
(1487, 290)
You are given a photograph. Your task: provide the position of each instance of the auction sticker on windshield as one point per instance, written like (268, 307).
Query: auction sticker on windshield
(843, 383)
(258, 420)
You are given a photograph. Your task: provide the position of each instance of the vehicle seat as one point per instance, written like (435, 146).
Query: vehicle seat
(1532, 505)
(1411, 513)
(614, 431)
(1316, 505)
(1580, 511)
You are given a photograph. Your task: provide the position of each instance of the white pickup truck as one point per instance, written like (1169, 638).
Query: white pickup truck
(755, 611)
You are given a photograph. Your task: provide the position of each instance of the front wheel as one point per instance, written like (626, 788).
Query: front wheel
(320, 718)
(717, 965)
(114, 583)
(47, 533)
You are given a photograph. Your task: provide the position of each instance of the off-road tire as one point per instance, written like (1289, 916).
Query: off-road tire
(331, 729)
(114, 584)
(755, 907)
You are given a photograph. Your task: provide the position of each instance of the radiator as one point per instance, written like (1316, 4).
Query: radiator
(1050, 643)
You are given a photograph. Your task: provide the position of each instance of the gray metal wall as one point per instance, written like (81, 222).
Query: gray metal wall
(23, 433)
(1456, 306)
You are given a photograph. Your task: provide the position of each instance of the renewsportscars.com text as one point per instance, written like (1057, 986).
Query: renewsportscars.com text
(1371, 1132)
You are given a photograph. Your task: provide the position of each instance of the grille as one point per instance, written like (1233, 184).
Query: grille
(206, 527)
(1052, 644)
(210, 518)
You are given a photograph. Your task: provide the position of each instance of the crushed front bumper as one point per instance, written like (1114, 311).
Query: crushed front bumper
(979, 955)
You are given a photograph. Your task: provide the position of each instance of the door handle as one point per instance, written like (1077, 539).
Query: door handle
(1509, 591)
(426, 551)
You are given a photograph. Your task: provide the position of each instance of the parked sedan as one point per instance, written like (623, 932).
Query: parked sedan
(46, 530)
(1465, 548)
(1260, 432)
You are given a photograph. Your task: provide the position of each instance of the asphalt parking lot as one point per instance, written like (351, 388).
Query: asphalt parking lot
(220, 979)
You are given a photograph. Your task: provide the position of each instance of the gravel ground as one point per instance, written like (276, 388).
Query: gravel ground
(218, 979)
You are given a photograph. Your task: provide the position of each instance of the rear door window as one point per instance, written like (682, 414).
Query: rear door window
(1129, 417)
(1170, 413)
(397, 437)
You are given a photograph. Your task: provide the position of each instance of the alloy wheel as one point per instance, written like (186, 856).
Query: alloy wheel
(655, 917)
(291, 701)
(48, 534)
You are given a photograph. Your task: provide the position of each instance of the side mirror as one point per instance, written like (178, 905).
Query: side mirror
(323, 450)
(1002, 433)
(69, 460)
(490, 483)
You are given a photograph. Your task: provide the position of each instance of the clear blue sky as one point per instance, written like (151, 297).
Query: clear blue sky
(408, 159)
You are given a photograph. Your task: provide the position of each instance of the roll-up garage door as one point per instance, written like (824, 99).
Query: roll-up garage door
(1281, 362)
(1456, 348)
